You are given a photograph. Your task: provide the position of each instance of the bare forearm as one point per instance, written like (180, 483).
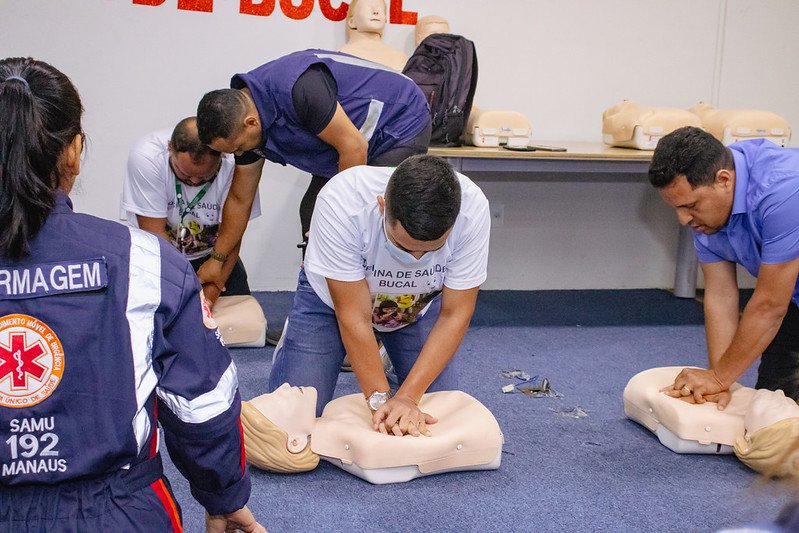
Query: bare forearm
(362, 350)
(349, 142)
(721, 321)
(355, 156)
(234, 222)
(441, 345)
(156, 226)
(759, 324)
(230, 262)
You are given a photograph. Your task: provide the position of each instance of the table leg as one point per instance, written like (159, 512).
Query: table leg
(685, 272)
(456, 163)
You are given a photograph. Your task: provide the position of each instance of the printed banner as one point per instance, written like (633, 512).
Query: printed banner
(265, 8)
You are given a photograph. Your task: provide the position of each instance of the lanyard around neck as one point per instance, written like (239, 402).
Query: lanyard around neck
(193, 203)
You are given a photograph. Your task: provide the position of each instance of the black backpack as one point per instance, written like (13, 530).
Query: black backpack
(444, 66)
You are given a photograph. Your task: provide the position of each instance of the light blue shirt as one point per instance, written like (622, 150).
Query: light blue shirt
(764, 223)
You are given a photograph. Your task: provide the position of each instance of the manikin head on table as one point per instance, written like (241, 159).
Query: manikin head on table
(429, 25)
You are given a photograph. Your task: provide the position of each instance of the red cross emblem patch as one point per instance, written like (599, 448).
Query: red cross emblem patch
(31, 361)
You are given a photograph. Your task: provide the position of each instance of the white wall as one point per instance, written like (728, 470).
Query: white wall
(561, 63)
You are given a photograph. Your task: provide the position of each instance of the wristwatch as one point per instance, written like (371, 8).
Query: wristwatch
(377, 399)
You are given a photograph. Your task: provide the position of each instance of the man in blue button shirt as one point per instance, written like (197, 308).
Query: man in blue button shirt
(742, 202)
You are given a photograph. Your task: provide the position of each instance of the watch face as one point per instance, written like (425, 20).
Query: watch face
(377, 399)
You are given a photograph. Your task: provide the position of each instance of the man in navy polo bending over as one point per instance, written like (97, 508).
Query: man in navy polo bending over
(319, 111)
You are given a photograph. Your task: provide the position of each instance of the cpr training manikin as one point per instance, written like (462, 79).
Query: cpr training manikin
(282, 435)
(760, 426)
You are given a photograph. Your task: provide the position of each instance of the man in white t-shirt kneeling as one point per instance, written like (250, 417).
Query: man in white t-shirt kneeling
(401, 252)
(176, 188)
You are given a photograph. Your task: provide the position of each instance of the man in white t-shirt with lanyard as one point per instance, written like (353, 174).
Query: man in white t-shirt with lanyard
(176, 187)
(401, 252)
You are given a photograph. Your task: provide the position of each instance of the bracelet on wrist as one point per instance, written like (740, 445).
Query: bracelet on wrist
(216, 256)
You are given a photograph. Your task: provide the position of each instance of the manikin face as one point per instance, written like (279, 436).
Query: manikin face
(706, 208)
(191, 173)
(368, 16)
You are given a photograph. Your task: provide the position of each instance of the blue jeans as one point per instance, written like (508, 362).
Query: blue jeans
(311, 351)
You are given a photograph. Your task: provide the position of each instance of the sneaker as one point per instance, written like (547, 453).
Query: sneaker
(273, 336)
(346, 366)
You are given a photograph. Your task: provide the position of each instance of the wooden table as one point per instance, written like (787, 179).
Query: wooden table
(579, 158)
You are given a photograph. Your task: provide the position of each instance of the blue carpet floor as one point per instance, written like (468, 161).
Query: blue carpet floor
(602, 472)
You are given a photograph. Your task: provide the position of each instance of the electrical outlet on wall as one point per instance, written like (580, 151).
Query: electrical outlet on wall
(497, 214)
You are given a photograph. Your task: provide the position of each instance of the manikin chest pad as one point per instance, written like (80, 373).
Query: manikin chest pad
(680, 426)
(241, 321)
(762, 425)
(466, 437)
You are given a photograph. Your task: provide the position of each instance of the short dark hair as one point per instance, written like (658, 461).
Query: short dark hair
(40, 113)
(220, 113)
(424, 195)
(691, 152)
(185, 140)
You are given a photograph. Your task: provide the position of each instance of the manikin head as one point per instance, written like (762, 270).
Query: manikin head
(277, 429)
(422, 201)
(367, 16)
(429, 25)
(771, 443)
(695, 174)
(228, 122)
(192, 162)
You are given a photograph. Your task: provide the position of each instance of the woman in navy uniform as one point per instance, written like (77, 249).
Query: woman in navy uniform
(103, 335)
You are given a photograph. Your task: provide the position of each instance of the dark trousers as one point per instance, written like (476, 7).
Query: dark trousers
(139, 499)
(779, 364)
(395, 156)
(236, 284)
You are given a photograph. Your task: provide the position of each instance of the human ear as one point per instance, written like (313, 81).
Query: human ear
(251, 121)
(382, 203)
(73, 152)
(724, 178)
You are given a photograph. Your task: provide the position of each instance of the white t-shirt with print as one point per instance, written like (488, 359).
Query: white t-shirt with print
(347, 243)
(150, 191)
